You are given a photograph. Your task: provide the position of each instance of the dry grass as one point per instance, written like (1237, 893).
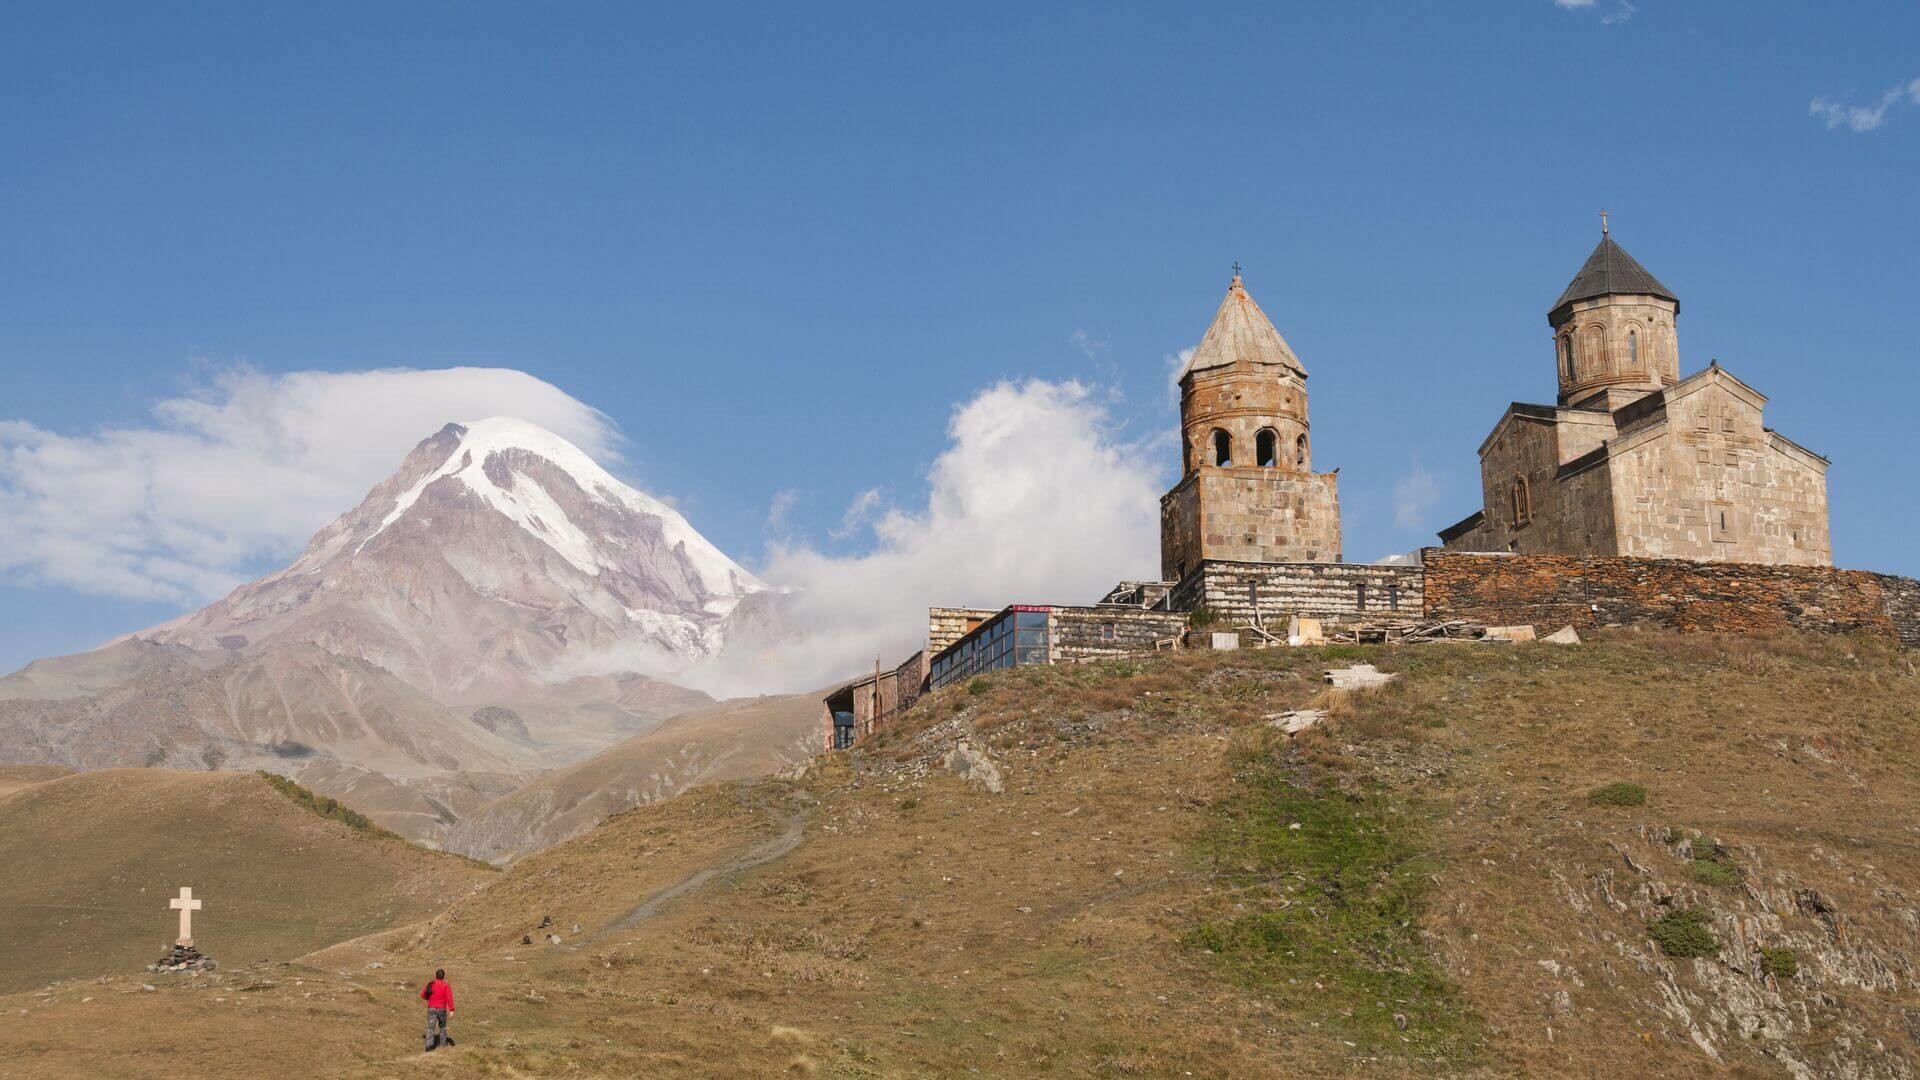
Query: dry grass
(1453, 871)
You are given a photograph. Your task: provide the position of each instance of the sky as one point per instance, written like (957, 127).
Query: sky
(835, 279)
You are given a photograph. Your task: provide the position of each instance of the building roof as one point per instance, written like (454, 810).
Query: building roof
(1610, 271)
(1241, 331)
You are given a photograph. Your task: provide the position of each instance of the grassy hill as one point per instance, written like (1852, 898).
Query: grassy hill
(1653, 855)
(92, 859)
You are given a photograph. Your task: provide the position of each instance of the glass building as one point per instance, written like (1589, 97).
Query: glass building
(1019, 635)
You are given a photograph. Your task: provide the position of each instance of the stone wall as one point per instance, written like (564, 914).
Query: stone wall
(1551, 591)
(1082, 633)
(1331, 592)
(946, 625)
(1249, 514)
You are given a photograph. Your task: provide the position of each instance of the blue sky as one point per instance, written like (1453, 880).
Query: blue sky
(778, 247)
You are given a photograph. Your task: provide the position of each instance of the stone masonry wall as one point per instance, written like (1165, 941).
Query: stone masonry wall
(946, 625)
(1551, 591)
(1080, 633)
(1249, 514)
(1326, 591)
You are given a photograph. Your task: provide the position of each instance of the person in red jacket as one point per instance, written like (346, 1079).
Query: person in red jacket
(438, 995)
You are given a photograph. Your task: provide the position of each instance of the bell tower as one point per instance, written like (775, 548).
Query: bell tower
(1247, 490)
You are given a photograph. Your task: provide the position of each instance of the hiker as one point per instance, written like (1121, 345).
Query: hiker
(439, 998)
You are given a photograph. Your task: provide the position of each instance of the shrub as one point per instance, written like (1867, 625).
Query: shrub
(976, 686)
(1201, 617)
(1779, 963)
(1621, 794)
(1683, 934)
(327, 808)
(1721, 872)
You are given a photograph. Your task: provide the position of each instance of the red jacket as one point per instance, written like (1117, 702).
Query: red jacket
(438, 995)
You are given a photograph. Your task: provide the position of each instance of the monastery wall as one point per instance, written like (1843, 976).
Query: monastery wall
(1249, 514)
(1080, 634)
(1551, 591)
(1332, 592)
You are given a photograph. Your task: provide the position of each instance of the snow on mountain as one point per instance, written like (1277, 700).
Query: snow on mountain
(498, 554)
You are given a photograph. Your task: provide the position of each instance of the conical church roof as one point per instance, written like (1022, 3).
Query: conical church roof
(1241, 331)
(1610, 271)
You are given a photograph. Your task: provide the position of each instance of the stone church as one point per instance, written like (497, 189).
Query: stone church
(1247, 491)
(1635, 460)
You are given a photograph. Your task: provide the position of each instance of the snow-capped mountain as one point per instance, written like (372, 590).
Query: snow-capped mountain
(498, 556)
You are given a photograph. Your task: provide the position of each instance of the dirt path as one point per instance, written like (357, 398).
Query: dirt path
(794, 826)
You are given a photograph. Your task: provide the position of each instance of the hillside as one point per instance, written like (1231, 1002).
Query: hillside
(732, 740)
(92, 859)
(1166, 885)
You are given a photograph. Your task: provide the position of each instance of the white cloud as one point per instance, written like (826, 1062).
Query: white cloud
(1176, 367)
(1415, 495)
(1864, 118)
(235, 476)
(859, 513)
(1573, 5)
(1033, 501)
(1619, 15)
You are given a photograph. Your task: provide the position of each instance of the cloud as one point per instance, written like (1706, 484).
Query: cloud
(1864, 118)
(1619, 15)
(1573, 5)
(1176, 367)
(1034, 500)
(1091, 347)
(780, 510)
(1415, 494)
(234, 476)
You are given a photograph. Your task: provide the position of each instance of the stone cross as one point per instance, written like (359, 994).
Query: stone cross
(186, 905)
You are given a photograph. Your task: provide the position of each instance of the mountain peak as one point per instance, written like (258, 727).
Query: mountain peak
(497, 552)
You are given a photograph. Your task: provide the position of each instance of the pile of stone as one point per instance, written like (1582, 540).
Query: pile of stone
(183, 958)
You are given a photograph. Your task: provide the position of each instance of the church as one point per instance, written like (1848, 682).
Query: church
(1634, 460)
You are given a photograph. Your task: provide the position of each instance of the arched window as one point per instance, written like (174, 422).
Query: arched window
(1633, 347)
(1594, 350)
(1522, 501)
(1265, 451)
(1566, 345)
(1300, 451)
(1222, 447)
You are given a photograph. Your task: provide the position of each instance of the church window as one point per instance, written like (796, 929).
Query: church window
(1265, 452)
(1222, 447)
(1566, 343)
(1722, 518)
(1633, 346)
(1300, 451)
(1522, 501)
(1595, 349)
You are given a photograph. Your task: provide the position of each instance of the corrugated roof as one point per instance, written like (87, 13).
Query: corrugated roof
(1241, 331)
(1610, 271)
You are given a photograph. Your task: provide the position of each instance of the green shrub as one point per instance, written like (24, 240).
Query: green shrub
(1621, 794)
(1780, 963)
(1201, 617)
(1721, 872)
(977, 686)
(327, 808)
(1683, 934)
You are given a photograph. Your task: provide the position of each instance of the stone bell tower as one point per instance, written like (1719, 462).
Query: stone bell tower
(1248, 491)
